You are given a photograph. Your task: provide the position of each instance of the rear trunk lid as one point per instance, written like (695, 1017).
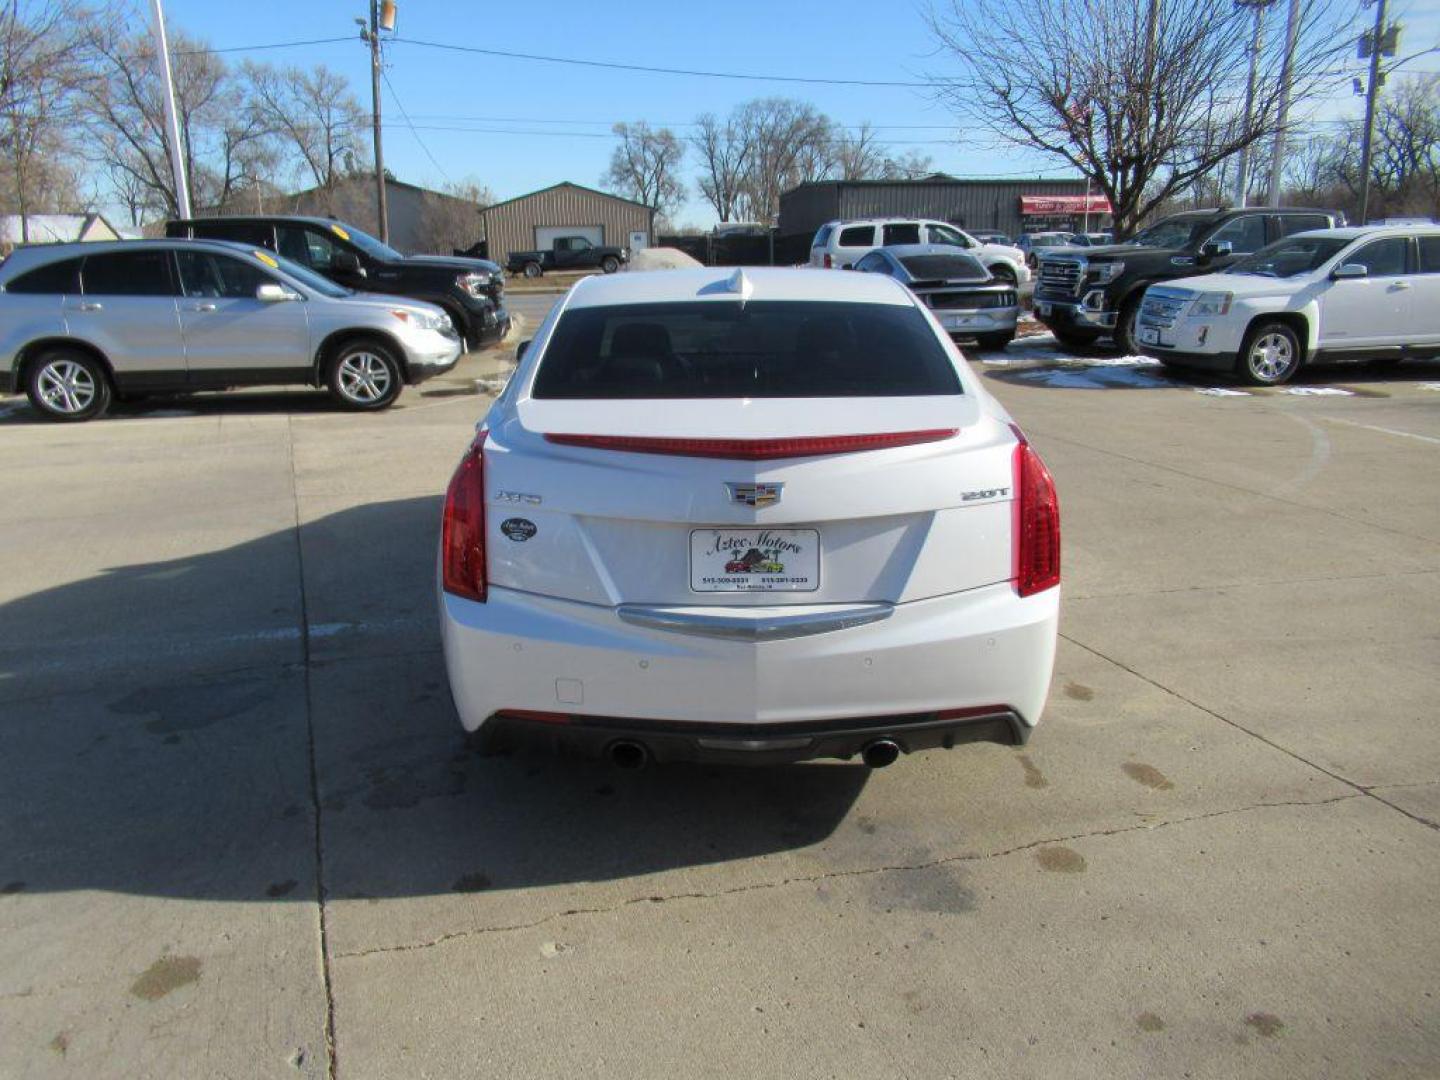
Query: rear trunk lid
(601, 523)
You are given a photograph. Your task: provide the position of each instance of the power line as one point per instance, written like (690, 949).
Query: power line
(260, 48)
(611, 65)
(400, 105)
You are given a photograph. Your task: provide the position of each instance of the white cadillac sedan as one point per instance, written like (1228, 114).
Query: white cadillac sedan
(748, 516)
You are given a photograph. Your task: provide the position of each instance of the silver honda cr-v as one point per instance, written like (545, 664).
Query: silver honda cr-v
(82, 323)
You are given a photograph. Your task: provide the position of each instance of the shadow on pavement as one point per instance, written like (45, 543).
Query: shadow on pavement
(167, 748)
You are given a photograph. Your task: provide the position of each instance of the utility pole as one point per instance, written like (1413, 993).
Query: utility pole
(1372, 91)
(172, 122)
(1257, 45)
(1282, 115)
(371, 35)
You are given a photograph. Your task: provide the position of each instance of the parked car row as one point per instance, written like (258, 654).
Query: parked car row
(83, 323)
(470, 291)
(1082, 294)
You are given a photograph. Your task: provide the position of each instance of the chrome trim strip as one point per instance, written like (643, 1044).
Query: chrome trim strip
(763, 628)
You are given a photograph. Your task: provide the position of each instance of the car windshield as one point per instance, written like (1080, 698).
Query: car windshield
(946, 267)
(760, 349)
(307, 277)
(1175, 232)
(372, 247)
(1290, 257)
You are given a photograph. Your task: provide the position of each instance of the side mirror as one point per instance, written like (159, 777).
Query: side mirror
(520, 349)
(271, 293)
(347, 262)
(1351, 270)
(1216, 249)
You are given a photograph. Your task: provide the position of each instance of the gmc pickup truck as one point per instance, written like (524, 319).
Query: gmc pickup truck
(1085, 293)
(569, 253)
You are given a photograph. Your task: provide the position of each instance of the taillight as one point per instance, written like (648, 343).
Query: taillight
(462, 528)
(828, 263)
(754, 449)
(1037, 522)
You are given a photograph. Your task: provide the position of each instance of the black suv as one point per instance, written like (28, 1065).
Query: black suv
(1083, 293)
(472, 291)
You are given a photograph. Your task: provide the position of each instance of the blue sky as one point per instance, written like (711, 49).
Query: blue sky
(882, 40)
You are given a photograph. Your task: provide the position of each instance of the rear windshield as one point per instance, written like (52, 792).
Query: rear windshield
(760, 349)
(947, 267)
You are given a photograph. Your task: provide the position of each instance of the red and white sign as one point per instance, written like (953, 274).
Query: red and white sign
(1064, 204)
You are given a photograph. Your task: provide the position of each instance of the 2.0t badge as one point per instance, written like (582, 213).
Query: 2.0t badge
(754, 494)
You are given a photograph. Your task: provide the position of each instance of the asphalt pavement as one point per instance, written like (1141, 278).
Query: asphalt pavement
(241, 836)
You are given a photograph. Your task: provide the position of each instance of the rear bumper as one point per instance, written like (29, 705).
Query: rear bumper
(985, 649)
(753, 744)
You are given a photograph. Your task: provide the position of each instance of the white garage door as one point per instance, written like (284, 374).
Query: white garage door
(546, 235)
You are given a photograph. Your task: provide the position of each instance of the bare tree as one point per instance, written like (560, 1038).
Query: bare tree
(1142, 96)
(859, 156)
(315, 114)
(645, 166)
(450, 218)
(225, 145)
(724, 151)
(790, 142)
(42, 70)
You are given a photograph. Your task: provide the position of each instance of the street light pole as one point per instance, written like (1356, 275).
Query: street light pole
(1282, 115)
(372, 36)
(1372, 91)
(1257, 44)
(172, 122)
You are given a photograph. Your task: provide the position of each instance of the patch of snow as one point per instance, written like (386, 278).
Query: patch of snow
(1094, 377)
(1221, 391)
(1316, 391)
(662, 258)
(1430, 386)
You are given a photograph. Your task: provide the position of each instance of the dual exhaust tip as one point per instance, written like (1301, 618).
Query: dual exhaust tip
(632, 756)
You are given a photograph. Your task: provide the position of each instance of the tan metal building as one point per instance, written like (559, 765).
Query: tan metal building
(533, 222)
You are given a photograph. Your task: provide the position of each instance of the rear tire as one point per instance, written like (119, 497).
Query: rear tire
(67, 385)
(364, 375)
(533, 270)
(609, 264)
(994, 341)
(1270, 355)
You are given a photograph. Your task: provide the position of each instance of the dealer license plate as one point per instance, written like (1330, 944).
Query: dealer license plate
(754, 560)
(959, 320)
(1149, 335)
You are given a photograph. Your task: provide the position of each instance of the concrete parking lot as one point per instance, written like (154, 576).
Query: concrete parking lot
(241, 837)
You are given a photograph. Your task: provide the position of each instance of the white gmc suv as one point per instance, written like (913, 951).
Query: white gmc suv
(1361, 293)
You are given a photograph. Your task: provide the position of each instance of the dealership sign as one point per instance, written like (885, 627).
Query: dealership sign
(1064, 204)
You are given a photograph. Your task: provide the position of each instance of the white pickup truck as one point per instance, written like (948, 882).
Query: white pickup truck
(1360, 293)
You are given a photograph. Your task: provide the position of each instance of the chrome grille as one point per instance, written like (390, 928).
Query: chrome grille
(1065, 274)
(1161, 311)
